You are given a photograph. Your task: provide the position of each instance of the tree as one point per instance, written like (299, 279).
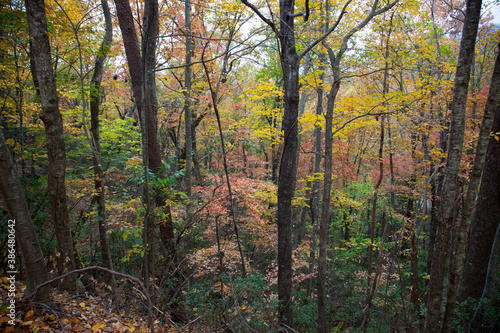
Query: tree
(446, 210)
(288, 167)
(457, 260)
(52, 119)
(485, 222)
(13, 196)
(95, 99)
(335, 60)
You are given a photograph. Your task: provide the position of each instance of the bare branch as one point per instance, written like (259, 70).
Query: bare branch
(260, 15)
(319, 40)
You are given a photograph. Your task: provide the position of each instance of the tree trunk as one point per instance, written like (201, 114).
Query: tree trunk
(52, 120)
(325, 209)
(447, 205)
(133, 54)
(94, 122)
(332, 95)
(486, 220)
(288, 168)
(13, 196)
(457, 261)
(489, 284)
(187, 101)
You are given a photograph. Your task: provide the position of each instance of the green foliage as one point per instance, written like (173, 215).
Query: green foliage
(243, 305)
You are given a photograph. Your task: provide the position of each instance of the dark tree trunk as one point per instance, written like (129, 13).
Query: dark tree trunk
(335, 60)
(476, 324)
(132, 50)
(53, 123)
(288, 169)
(486, 220)
(456, 264)
(187, 101)
(13, 196)
(94, 122)
(446, 210)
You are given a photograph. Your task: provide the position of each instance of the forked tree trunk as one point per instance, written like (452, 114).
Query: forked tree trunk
(13, 196)
(52, 120)
(335, 60)
(446, 210)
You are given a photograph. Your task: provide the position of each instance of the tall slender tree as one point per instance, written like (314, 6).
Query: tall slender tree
(486, 220)
(445, 214)
(95, 99)
(52, 119)
(457, 261)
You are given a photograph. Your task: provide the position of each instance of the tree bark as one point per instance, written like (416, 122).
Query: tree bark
(13, 196)
(489, 284)
(52, 119)
(457, 261)
(446, 210)
(187, 101)
(486, 220)
(332, 95)
(94, 122)
(134, 60)
(288, 167)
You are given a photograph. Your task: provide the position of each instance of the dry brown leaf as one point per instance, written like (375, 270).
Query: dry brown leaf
(98, 326)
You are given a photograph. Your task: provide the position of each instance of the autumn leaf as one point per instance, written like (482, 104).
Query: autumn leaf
(29, 314)
(98, 326)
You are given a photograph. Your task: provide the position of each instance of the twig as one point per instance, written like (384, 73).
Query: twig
(123, 275)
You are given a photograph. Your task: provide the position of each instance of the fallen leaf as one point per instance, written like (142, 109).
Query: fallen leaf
(98, 326)
(29, 314)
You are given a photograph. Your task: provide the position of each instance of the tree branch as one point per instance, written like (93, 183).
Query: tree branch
(261, 16)
(126, 276)
(319, 40)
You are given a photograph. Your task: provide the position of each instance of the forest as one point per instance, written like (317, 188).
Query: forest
(249, 166)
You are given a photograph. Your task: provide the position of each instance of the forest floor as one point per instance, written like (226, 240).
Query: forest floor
(78, 312)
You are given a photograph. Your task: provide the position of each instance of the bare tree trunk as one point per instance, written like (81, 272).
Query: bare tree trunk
(94, 121)
(187, 101)
(288, 168)
(13, 196)
(335, 60)
(457, 260)
(447, 205)
(486, 221)
(326, 197)
(52, 120)
(489, 283)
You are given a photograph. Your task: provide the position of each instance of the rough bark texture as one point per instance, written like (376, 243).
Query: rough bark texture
(288, 167)
(94, 122)
(457, 262)
(325, 210)
(486, 221)
(134, 61)
(13, 196)
(52, 120)
(446, 210)
(476, 324)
